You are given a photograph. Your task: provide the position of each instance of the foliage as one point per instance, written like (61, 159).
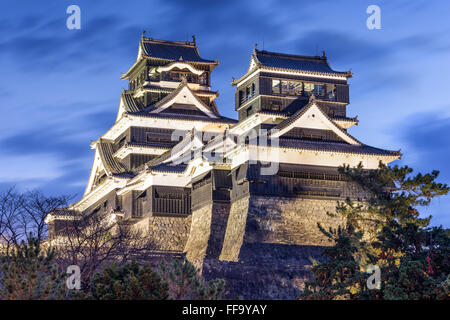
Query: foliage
(95, 239)
(30, 273)
(174, 279)
(413, 258)
(128, 282)
(90, 240)
(22, 216)
(186, 284)
(422, 269)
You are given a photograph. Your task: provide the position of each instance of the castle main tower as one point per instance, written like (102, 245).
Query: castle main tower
(240, 199)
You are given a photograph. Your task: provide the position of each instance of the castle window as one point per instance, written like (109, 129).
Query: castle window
(319, 90)
(241, 97)
(298, 88)
(248, 93)
(204, 79)
(249, 111)
(331, 91)
(276, 86)
(308, 88)
(293, 88)
(284, 86)
(158, 137)
(253, 89)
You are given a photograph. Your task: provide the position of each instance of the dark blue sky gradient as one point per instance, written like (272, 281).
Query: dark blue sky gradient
(60, 88)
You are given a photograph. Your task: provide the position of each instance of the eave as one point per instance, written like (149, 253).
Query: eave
(130, 148)
(259, 68)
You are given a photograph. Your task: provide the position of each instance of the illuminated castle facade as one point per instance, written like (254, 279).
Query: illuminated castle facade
(239, 198)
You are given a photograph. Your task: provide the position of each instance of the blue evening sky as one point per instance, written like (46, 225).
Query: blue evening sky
(60, 88)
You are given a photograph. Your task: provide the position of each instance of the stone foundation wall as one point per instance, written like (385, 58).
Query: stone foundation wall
(207, 232)
(268, 246)
(269, 271)
(168, 233)
(277, 220)
(235, 230)
(289, 221)
(262, 246)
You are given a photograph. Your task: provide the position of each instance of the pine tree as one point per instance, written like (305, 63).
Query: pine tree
(30, 273)
(185, 283)
(128, 282)
(414, 262)
(413, 259)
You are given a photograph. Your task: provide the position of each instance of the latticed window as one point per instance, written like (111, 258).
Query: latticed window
(158, 136)
(167, 195)
(319, 90)
(284, 86)
(241, 97)
(331, 91)
(312, 175)
(276, 86)
(247, 93)
(203, 79)
(308, 88)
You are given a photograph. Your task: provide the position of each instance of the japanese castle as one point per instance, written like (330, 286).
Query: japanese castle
(212, 187)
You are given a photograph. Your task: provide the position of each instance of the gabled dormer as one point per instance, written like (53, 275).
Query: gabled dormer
(311, 123)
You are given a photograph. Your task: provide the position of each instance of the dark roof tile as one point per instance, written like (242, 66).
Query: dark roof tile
(183, 117)
(295, 62)
(338, 147)
(169, 168)
(172, 50)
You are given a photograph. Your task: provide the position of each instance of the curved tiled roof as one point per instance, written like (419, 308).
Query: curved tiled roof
(337, 147)
(342, 118)
(172, 50)
(64, 212)
(149, 145)
(111, 165)
(130, 104)
(186, 117)
(179, 168)
(295, 62)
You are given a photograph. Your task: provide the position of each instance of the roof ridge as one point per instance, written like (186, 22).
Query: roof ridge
(290, 55)
(170, 42)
